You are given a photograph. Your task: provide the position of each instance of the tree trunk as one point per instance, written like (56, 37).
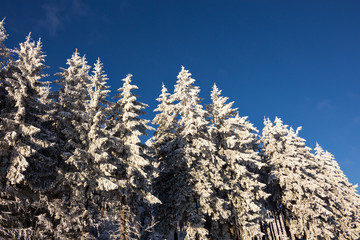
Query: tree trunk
(122, 220)
(232, 234)
(268, 232)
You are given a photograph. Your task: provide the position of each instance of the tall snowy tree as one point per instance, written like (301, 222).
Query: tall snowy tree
(4, 52)
(126, 128)
(161, 146)
(28, 149)
(294, 183)
(70, 209)
(186, 189)
(166, 121)
(72, 99)
(341, 196)
(102, 166)
(236, 145)
(97, 136)
(4, 101)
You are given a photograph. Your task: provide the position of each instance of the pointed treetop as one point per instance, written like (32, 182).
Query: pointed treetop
(98, 88)
(126, 88)
(28, 37)
(163, 88)
(278, 121)
(164, 93)
(318, 149)
(3, 34)
(215, 92)
(219, 111)
(31, 60)
(76, 60)
(4, 52)
(77, 67)
(163, 99)
(185, 75)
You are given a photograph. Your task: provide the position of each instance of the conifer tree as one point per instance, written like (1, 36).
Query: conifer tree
(4, 52)
(4, 101)
(341, 197)
(71, 208)
(126, 128)
(102, 166)
(166, 121)
(97, 136)
(162, 146)
(293, 183)
(236, 145)
(188, 165)
(28, 150)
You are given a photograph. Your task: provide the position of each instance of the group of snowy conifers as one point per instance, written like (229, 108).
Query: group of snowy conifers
(72, 165)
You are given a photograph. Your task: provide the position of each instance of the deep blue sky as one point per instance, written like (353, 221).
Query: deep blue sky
(299, 60)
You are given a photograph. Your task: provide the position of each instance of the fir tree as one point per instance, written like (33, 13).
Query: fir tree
(102, 166)
(126, 128)
(28, 150)
(166, 121)
(187, 165)
(97, 136)
(236, 145)
(162, 146)
(71, 208)
(4, 100)
(293, 183)
(4, 52)
(340, 196)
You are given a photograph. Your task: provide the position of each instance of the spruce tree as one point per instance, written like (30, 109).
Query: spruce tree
(71, 208)
(28, 149)
(4, 52)
(4, 100)
(340, 196)
(102, 166)
(126, 128)
(162, 147)
(294, 183)
(237, 146)
(187, 165)
(166, 121)
(97, 136)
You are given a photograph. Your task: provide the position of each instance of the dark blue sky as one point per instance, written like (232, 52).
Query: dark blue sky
(299, 60)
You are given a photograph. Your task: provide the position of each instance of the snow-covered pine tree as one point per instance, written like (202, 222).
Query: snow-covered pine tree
(97, 136)
(3, 55)
(126, 128)
(236, 144)
(4, 52)
(104, 185)
(71, 208)
(187, 189)
(71, 104)
(27, 147)
(162, 146)
(166, 121)
(293, 182)
(341, 196)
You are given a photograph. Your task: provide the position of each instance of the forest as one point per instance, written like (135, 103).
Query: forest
(73, 166)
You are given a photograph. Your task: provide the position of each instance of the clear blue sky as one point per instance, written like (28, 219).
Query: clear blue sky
(299, 60)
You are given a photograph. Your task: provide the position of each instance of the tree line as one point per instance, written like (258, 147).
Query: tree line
(72, 165)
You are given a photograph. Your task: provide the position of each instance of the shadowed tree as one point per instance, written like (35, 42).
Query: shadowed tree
(298, 187)
(28, 149)
(71, 208)
(240, 188)
(126, 128)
